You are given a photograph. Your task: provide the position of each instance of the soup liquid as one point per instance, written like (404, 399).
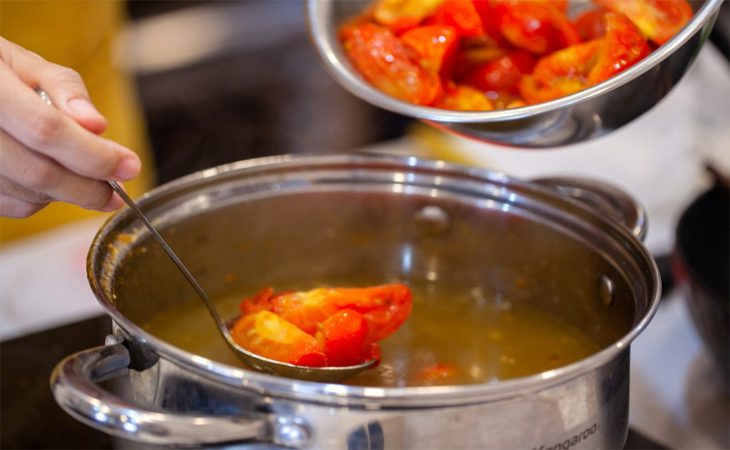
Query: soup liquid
(448, 339)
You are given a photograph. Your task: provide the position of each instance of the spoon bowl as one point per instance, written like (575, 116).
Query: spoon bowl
(274, 367)
(322, 374)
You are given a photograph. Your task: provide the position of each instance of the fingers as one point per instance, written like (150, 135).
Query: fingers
(13, 207)
(52, 153)
(50, 132)
(63, 85)
(12, 189)
(29, 177)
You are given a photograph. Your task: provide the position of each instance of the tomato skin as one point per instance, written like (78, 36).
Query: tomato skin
(381, 58)
(384, 307)
(561, 73)
(658, 20)
(574, 62)
(261, 301)
(554, 31)
(306, 310)
(460, 15)
(591, 24)
(268, 335)
(401, 15)
(580, 66)
(433, 46)
(539, 26)
(487, 10)
(622, 47)
(465, 98)
(344, 337)
(502, 74)
(373, 353)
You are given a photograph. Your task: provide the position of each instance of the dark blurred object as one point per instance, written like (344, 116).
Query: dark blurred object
(637, 441)
(703, 261)
(664, 264)
(720, 35)
(29, 416)
(226, 81)
(138, 9)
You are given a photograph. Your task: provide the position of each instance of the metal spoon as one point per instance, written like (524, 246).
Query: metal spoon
(324, 374)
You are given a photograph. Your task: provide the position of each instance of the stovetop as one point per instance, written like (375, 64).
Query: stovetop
(30, 417)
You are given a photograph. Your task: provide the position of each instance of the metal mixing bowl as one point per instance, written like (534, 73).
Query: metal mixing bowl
(575, 118)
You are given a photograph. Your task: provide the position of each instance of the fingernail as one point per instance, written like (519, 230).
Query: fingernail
(128, 168)
(115, 202)
(83, 107)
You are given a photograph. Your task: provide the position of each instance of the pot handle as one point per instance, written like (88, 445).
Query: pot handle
(74, 383)
(602, 197)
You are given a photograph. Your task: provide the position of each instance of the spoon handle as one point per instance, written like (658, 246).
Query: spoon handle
(133, 206)
(175, 259)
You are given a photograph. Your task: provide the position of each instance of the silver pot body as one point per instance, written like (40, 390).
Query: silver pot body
(585, 264)
(571, 119)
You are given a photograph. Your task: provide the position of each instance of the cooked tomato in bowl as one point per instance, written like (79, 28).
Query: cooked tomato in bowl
(479, 55)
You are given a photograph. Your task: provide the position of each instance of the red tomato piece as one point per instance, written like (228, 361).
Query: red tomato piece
(344, 337)
(561, 73)
(561, 5)
(623, 46)
(261, 301)
(539, 26)
(580, 66)
(490, 19)
(306, 310)
(381, 58)
(465, 98)
(591, 24)
(461, 15)
(574, 62)
(268, 335)
(373, 353)
(659, 20)
(400, 15)
(437, 373)
(433, 46)
(384, 307)
(503, 74)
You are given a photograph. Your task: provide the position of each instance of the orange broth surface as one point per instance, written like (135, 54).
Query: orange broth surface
(448, 339)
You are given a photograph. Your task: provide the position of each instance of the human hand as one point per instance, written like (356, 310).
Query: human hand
(53, 154)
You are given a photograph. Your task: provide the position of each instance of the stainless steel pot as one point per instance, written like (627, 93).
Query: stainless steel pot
(575, 118)
(370, 218)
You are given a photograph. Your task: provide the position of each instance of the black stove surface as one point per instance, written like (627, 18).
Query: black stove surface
(30, 417)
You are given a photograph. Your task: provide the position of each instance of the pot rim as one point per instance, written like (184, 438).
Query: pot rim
(339, 394)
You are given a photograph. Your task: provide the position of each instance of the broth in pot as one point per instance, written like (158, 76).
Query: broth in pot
(490, 299)
(453, 336)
